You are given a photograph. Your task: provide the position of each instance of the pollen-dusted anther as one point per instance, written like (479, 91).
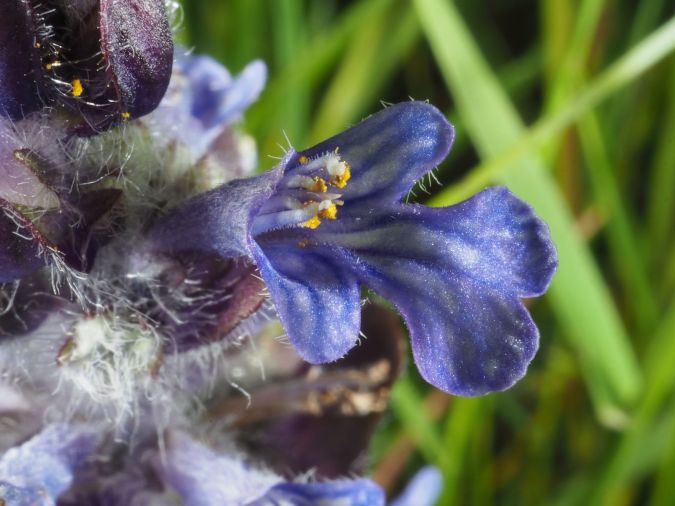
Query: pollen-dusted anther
(328, 211)
(312, 223)
(77, 88)
(304, 197)
(319, 185)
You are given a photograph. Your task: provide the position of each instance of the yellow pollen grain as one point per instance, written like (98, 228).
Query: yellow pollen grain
(53, 64)
(126, 115)
(330, 213)
(341, 180)
(319, 185)
(77, 88)
(312, 222)
(303, 160)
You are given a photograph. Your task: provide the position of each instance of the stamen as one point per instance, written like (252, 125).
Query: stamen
(329, 212)
(77, 88)
(304, 197)
(312, 223)
(341, 180)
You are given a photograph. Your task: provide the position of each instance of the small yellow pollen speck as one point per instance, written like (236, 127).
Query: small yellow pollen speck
(126, 115)
(37, 45)
(303, 160)
(330, 213)
(319, 185)
(77, 88)
(51, 65)
(341, 180)
(312, 222)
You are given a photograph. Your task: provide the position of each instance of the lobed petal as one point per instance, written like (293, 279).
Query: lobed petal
(467, 338)
(317, 301)
(390, 150)
(493, 238)
(215, 98)
(137, 44)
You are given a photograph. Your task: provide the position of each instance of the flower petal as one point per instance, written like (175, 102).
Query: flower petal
(49, 460)
(137, 45)
(317, 301)
(23, 496)
(467, 338)
(389, 151)
(456, 275)
(493, 238)
(423, 489)
(205, 478)
(217, 221)
(324, 416)
(361, 492)
(216, 98)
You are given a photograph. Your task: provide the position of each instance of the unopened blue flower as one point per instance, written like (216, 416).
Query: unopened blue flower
(204, 98)
(332, 218)
(38, 471)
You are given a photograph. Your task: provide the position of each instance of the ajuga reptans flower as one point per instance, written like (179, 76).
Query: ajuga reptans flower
(331, 218)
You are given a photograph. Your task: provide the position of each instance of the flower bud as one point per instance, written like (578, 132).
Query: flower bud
(105, 60)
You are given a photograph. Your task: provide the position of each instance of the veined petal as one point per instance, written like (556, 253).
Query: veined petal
(467, 338)
(389, 151)
(316, 299)
(493, 238)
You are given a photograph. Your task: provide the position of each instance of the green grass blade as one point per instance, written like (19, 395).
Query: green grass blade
(368, 63)
(624, 71)
(661, 205)
(459, 429)
(408, 405)
(578, 293)
(309, 68)
(659, 384)
(289, 39)
(626, 255)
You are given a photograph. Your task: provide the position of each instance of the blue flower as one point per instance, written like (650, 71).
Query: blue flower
(38, 471)
(332, 218)
(203, 99)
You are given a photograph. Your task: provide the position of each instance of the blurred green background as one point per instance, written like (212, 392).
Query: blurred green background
(571, 103)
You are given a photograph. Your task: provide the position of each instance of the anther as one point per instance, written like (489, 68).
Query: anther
(77, 88)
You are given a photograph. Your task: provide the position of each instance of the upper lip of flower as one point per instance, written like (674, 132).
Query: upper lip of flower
(456, 274)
